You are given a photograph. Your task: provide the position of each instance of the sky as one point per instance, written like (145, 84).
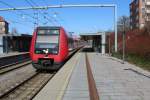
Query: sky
(77, 20)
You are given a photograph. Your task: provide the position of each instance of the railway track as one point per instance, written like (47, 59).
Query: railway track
(10, 67)
(28, 88)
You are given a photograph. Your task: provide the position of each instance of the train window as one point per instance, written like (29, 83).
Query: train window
(48, 31)
(41, 31)
(47, 39)
(47, 45)
(54, 31)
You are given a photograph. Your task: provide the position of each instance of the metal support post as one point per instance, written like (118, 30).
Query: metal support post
(123, 44)
(115, 26)
(109, 44)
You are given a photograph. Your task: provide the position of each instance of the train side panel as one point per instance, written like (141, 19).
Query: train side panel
(63, 46)
(32, 45)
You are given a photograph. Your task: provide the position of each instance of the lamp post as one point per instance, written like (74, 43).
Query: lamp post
(109, 43)
(123, 43)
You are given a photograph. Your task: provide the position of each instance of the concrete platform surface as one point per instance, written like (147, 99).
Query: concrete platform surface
(11, 54)
(78, 86)
(117, 81)
(55, 89)
(114, 80)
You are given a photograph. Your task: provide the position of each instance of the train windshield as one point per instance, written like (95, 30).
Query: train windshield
(47, 41)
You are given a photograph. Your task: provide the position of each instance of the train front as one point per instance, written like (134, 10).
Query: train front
(45, 48)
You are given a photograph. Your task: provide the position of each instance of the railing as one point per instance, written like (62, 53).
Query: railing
(147, 10)
(147, 2)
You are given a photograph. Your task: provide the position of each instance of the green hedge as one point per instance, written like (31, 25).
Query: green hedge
(140, 61)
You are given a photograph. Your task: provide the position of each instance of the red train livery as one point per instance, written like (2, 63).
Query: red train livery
(49, 47)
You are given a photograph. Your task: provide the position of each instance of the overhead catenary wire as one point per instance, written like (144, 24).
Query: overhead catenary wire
(57, 14)
(114, 6)
(33, 4)
(57, 22)
(52, 11)
(36, 23)
(22, 13)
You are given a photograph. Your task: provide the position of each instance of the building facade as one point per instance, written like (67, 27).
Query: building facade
(147, 10)
(139, 13)
(3, 26)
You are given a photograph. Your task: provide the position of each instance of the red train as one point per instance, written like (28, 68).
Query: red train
(49, 47)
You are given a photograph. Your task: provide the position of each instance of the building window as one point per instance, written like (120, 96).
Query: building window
(137, 17)
(137, 2)
(131, 12)
(137, 10)
(130, 6)
(143, 12)
(137, 25)
(131, 20)
(143, 1)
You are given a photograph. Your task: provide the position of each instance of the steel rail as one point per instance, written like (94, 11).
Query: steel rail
(29, 88)
(15, 63)
(13, 67)
(13, 88)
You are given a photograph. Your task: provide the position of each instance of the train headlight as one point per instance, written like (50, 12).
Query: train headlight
(45, 51)
(55, 52)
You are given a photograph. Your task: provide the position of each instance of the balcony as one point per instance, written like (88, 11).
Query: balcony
(147, 11)
(147, 2)
(147, 19)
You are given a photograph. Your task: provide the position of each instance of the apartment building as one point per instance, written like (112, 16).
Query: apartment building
(3, 26)
(139, 13)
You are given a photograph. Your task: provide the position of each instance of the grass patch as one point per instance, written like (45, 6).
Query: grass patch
(135, 59)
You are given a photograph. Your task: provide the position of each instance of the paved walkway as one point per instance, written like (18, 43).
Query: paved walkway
(78, 86)
(116, 81)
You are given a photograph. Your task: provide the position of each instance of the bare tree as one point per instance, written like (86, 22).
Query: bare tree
(123, 22)
(14, 31)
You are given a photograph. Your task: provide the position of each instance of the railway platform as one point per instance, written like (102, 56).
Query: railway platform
(12, 54)
(10, 58)
(93, 76)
